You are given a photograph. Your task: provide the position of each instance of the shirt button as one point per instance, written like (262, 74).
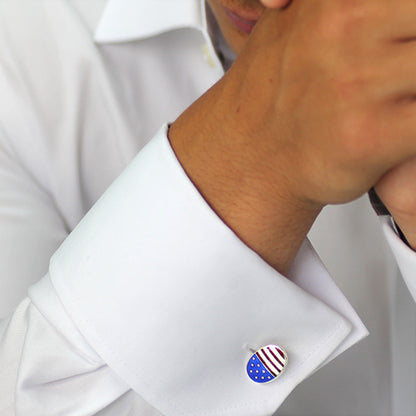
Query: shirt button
(208, 56)
(267, 364)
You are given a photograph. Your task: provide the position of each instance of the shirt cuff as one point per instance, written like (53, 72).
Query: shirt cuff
(169, 297)
(405, 256)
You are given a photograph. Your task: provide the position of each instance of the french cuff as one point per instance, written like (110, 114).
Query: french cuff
(168, 296)
(405, 256)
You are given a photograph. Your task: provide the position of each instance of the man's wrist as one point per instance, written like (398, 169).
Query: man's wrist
(260, 210)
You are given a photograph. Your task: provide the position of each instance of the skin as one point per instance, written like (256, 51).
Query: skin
(318, 108)
(397, 188)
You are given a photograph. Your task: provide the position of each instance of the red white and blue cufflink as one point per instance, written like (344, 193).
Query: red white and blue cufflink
(267, 364)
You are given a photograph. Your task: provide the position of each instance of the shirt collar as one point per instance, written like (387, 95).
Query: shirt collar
(126, 20)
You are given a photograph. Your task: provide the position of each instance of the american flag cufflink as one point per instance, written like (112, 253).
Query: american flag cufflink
(267, 363)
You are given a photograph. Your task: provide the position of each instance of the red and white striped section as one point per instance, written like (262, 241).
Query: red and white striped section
(273, 358)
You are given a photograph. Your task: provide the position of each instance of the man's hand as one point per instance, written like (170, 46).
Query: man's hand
(319, 105)
(397, 188)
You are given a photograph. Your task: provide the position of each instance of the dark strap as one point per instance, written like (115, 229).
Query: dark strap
(377, 203)
(381, 209)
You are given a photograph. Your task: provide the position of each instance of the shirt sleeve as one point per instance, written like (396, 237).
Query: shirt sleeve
(405, 256)
(30, 227)
(152, 295)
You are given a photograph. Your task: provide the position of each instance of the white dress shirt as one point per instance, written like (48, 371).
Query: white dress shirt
(152, 305)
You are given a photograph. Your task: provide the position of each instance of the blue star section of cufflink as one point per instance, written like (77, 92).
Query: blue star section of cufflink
(257, 371)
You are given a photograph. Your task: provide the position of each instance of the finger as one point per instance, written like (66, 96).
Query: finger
(275, 4)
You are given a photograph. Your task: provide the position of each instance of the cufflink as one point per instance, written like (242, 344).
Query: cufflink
(267, 364)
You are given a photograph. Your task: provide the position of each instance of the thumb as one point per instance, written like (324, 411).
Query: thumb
(275, 4)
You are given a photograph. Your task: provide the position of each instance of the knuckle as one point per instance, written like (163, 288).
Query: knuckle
(353, 83)
(348, 87)
(341, 19)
